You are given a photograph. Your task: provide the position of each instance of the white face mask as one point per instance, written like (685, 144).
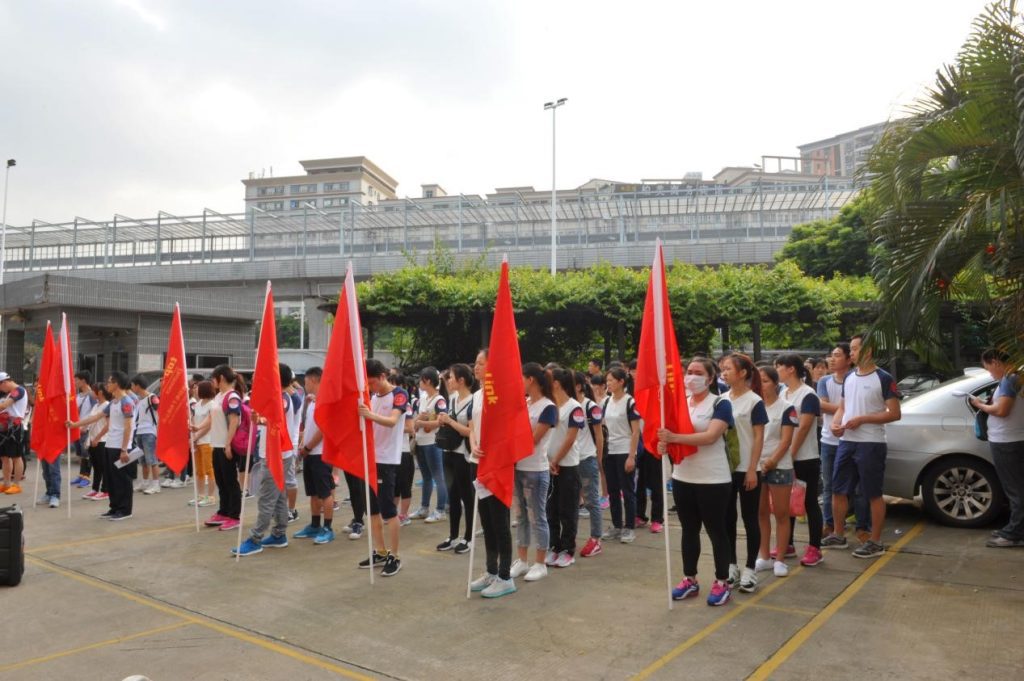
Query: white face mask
(695, 384)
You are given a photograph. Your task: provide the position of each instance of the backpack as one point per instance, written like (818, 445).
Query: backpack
(732, 442)
(240, 442)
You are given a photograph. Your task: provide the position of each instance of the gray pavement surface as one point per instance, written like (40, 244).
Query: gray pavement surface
(150, 595)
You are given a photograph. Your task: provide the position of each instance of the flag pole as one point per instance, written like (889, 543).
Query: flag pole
(366, 489)
(195, 483)
(245, 485)
(39, 474)
(666, 472)
(67, 409)
(472, 543)
(65, 366)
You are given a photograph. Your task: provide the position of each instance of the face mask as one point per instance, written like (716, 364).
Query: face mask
(695, 384)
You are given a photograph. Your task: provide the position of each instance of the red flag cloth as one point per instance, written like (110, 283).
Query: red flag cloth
(54, 415)
(342, 387)
(658, 365)
(69, 378)
(505, 432)
(173, 434)
(40, 413)
(265, 398)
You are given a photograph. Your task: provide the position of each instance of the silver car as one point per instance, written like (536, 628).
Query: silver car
(933, 450)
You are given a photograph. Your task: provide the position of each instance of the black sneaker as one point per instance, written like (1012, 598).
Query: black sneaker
(120, 516)
(293, 515)
(447, 545)
(378, 561)
(462, 546)
(834, 542)
(105, 516)
(869, 549)
(391, 566)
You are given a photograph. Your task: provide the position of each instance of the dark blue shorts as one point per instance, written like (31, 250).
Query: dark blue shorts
(859, 462)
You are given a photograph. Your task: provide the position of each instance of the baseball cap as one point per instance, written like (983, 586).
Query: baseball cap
(4, 376)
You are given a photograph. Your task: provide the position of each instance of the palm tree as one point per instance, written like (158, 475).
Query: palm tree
(949, 184)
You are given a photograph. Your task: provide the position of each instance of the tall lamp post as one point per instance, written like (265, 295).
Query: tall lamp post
(3, 223)
(554, 219)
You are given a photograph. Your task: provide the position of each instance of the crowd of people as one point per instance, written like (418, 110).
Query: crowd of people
(758, 431)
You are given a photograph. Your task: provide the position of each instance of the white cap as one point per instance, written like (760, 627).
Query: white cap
(4, 376)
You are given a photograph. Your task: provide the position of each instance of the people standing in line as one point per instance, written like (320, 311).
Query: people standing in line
(702, 483)
(600, 391)
(750, 417)
(594, 367)
(600, 387)
(145, 435)
(830, 392)
(387, 413)
(86, 401)
(804, 450)
(293, 420)
(120, 429)
(563, 459)
(590, 443)
(433, 401)
(533, 477)
(96, 444)
(407, 469)
(649, 477)
(623, 422)
(13, 410)
(1006, 442)
(317, 476)
(459, 470)
(225, 417)
(870, 400)
(776, 476)
(202, 425)
(819, 370)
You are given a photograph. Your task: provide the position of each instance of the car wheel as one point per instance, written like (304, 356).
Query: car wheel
(962, 491)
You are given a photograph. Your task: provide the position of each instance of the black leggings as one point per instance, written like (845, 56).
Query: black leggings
(459, 474)
(406, 473)
(84, 466)
(494, 516)
(810, 472)
(357, 497)
(649, 477)
(96, 456)
(563, 509)
(225, 474)
(621, 496)
(749, 504)
(705, 505)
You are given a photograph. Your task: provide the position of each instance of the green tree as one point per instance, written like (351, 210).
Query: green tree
(949, 183)
(840, 245)
(287, 331)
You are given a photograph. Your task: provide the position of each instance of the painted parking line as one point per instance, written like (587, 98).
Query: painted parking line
(92, 646)
(735, 611)
(800, 637)
(189, 618)
(112, 537)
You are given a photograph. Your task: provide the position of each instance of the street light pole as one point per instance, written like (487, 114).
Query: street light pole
(554, 218)
(3, 223)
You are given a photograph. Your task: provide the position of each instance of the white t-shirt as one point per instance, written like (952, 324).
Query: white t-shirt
(312, 429)
(461, 411)
(287, 406)
(145, 415)
(433, 406)
(95, 428)
(218, 423)
(199, 414)
(121, 416)
(387, 442)
(293, 417)
(747, 411)
(570, 418)
(585, 438)
(866, 394)
(779, 414)
(541, 411)
(805, 401)
(1009, 428)
(710, 464)
(831, 390)
(618, 417)
(478, 418)
(19, 404)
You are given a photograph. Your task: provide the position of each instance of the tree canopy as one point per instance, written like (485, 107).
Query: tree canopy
(841, 245)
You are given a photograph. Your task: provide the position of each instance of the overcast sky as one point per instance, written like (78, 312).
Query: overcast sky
(134, 106)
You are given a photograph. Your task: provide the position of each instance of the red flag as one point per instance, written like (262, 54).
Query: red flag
(505, 432)
(173, 434)
(71, 412)
(54, 414)
(341, 389)
(266, 396)
(40, 412)
(658, 368)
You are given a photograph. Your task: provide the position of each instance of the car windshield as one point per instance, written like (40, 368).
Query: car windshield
(943, 391)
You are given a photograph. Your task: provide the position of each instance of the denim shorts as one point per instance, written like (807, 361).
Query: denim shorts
(147, 442)
(859, 462)
(778, 476)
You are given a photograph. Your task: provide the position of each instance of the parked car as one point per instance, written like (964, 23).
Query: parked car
(915, 384)
(933, 450)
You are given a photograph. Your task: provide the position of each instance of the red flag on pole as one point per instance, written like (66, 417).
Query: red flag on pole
(40, 413)
(50, 419)
(346, 434)
(173, 434)
(266, 398)
(71, 411)
(658, 369)
(505, 433)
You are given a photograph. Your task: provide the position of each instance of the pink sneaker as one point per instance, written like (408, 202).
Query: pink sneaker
(656, 527)
(812, 557)
(640, 522)
(89, 495)
(790, 552)
(216, 519)
(100, 496)
(591, 548)
(228, 524)
(720, 593)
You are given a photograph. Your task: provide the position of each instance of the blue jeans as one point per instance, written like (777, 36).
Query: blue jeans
(532, 492)
(861, 507)
(431, 461)
(591, 479)
(147, 443)
(51, 476)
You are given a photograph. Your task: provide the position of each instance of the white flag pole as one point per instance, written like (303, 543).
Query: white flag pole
(661, 360)
(39, 474)
(472, 543)
(65, 361)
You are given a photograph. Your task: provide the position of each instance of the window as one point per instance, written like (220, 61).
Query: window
(428, 194)
(299, 204)
(270, 205)
(270, 191)
(334, 203)
(336, 186)
(303, 188)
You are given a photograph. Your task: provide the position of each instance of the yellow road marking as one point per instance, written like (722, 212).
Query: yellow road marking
(808, 630)
(92, 646)
(209, 624)
(112, 537)
(738, 608)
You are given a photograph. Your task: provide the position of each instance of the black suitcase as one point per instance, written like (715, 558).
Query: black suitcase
(12, 545)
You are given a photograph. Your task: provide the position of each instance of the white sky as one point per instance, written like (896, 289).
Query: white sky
(134, 106)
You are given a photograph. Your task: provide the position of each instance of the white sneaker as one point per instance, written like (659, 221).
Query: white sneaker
(435, 517)
(166, 482)
(550, 557)
(628, 536)
(176, 484)
(781, 569)
(536, 572)
(54, 502)
(152, 488)
(748, 581)
(420, 513)
(43, 500)
(734, 575)
(762, 565)
(518, 569)
(564, 560)
(499, 588)
(482, 582)
(139, 484)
